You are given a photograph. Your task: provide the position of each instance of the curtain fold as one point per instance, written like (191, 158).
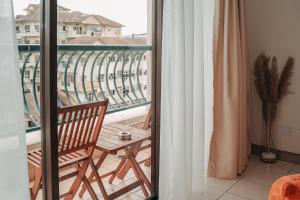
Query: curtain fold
(13, 168)
(229, 147)
(185, 58)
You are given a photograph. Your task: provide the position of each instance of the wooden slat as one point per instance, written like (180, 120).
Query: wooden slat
(39, 152)
(138, 125)
(121, 126)
(116, 141)
(92, 125)
(63, 159)
(125, 189)
(76, 136)
(82, 106)
(114, 129)
(107, 145)
(147, 123)
(87, 127)
(109, 140)
(61, 127)
(65, 131)
(132, 130)
(72, 133)
(80, 134)
(34, 160)
(69, 175)
(98, 125)
(35, 157)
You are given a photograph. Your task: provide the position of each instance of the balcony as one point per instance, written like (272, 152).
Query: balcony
(87, 74)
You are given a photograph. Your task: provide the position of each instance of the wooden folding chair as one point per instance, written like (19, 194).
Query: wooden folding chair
(78, 133)
(145, 125)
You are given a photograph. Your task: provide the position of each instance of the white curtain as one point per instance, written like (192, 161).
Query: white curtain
(186, 111)
(13, 167)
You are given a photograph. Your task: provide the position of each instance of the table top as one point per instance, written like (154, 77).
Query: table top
(109, 139)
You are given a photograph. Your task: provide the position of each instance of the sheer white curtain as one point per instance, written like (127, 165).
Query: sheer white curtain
(186, 97)
(13, 167)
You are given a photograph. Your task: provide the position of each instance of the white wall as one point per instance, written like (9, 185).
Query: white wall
(274, 28)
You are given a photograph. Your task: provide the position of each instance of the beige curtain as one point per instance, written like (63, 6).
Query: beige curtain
(229, 144)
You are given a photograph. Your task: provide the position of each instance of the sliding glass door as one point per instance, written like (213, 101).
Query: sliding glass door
(105, 52)
(74, 54)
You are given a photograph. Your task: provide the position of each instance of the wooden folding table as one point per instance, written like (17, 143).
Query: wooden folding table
(109, 143)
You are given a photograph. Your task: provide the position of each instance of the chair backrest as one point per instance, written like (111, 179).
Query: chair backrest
(80, 126)
(64, 100)
(147, 123)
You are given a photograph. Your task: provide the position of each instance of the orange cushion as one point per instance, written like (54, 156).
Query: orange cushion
(286, 188)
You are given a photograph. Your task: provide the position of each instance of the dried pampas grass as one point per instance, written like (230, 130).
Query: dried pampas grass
(271, 88)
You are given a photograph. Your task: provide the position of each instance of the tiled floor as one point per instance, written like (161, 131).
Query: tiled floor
(254, 184)
(109, 164)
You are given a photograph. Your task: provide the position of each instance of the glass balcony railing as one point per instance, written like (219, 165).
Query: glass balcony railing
(87, 73)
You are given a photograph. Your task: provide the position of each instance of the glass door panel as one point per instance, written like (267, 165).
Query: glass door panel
(104, 52)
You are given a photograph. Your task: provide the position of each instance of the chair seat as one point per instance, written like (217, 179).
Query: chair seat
(34, 157)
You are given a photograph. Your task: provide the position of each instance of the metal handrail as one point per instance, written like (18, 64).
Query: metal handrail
(87, 73)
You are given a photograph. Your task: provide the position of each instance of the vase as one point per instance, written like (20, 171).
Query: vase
(269, 112)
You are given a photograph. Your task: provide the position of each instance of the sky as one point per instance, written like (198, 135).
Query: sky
(131, 13)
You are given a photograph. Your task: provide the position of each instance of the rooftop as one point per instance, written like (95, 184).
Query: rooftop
(37, 6)
(65, 15)
(107, 40)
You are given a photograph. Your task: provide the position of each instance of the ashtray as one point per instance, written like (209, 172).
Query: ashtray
(124, 135)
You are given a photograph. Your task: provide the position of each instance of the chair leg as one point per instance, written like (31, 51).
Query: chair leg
(126, 167)
(137, 175)
(148, 162)
(90, 188)
(124, 170)
(78, 180)
(31, 194)
(36, 184)
(120, 166)
(140, 171)
(91, 176)
(98, 179)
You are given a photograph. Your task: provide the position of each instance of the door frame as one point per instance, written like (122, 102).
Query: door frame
(157, 21)
(48, 98)
(48, 10)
